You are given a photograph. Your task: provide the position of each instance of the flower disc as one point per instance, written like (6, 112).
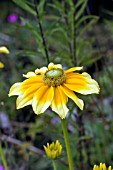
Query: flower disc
(54, 77)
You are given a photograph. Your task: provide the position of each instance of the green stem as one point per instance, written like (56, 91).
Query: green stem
(54, 165)
(3, 158)
(69, 155)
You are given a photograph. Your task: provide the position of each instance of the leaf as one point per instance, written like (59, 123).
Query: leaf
(23, 5)
(41, 8)
(93, 21)
(91, 60)
(81, 10)
(55, 7)
(78, 4)
(33, 29)
(60, 30)
(85, 18)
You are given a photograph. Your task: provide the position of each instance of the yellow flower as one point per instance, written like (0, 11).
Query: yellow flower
(3, 50)
(51, 87)
(1, 65)
(53, 150)
(102, 167)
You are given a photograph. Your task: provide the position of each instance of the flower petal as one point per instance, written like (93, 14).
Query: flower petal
(52, 66)
(109, 168)
(42, 99)
(73, 69)
(59, 102)
(82, 83)
(31, 81)
(1, 65)
(72, 95)
(15, 89)
(4, 50)
(23, 101)
(41, 70)
(26, 98)
(29, 74)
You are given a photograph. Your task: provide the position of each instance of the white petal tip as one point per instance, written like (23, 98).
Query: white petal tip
(29, 74)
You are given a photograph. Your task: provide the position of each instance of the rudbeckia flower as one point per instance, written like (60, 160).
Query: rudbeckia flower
(51, 87)
(102, 167)
(53, 150)
(3, 50)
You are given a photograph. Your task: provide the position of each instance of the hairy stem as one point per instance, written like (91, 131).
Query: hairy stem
(68, 149)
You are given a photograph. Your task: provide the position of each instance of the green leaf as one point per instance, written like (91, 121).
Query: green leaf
(85, 18)
(33, 29)
(93, 21)
(92, 60)
(55, 7)
(41, 8)
(23, 4)
(81, 10)
(79, 3)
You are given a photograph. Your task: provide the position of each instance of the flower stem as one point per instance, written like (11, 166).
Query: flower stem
(54, 165)
(41, 32)
(3, 158)
(69, 155)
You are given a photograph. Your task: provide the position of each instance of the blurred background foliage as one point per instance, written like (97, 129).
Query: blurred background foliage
(77, 33)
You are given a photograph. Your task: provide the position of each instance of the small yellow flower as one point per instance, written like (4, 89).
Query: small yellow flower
(1, 65)
(51, 87)
(3, 50)
(53, 150)
(102, 167)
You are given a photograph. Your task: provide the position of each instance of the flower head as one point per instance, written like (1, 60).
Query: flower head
(51, 87)
(102, 167)
(53, 150)
(12, 18)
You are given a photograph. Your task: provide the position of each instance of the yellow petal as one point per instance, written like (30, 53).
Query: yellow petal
(94, 168)
(73, 69)
(42, 99)
(104, 166)
(26, 98)
(52, 66)
(53, 150)
(1, 65)
(59, 102)
(29, 74)
(4, 50)
(71, 95)
(109, 168)
(31, 81)
(41, 70)
(22, 101)
(15, 89)
(82, 83)
(92, 84)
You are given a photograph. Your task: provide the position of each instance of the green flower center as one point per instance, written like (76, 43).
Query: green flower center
(54, 73)
(54, 77)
